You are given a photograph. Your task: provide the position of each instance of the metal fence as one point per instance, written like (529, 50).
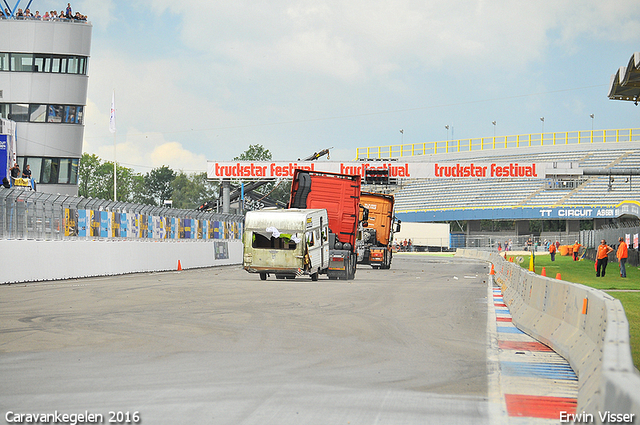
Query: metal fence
(26, 214)
(591, 239)
(500, 142)
(495, 242)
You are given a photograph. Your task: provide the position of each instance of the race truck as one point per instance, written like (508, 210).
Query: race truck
(339, 194)
(376, 236)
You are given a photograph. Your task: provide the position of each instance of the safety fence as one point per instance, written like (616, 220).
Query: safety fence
(26, 214)
(500, 142)
(500, 241)
(584, 325)
(631, 235)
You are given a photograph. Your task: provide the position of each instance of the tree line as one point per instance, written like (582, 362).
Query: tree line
(188, 191)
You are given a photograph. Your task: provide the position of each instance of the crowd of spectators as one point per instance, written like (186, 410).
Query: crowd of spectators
(64, 15)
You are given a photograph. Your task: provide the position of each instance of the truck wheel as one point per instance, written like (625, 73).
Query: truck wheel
(351, 271)
(314, 277)
(263, 276)
(387, 263)
(279, 276)
(291, 277)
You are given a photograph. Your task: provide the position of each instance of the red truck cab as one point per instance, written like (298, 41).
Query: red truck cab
(339, 194)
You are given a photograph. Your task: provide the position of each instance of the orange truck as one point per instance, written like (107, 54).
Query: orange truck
(376, 235)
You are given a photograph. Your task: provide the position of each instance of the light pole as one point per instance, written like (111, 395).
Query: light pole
(447, 127)
(592, 117)
(402, 136)
(494, 129)
(542, 119)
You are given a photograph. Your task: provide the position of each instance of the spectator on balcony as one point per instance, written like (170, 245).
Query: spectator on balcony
(26, 174)
(68, 13)
(15, 171)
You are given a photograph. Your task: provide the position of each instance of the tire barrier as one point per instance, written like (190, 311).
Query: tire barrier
(584, 325)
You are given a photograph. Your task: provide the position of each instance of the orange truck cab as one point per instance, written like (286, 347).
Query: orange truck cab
(376, 235)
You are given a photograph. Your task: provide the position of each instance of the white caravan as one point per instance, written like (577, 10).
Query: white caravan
(287, 243)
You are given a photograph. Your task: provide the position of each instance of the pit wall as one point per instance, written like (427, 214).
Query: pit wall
(584, 325)
(32, 260)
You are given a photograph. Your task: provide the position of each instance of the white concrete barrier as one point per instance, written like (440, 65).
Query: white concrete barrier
(31, 260)
(584, 325)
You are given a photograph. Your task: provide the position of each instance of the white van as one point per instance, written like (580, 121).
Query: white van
(287, 243)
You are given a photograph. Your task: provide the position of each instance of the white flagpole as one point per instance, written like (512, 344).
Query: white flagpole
(112, 128)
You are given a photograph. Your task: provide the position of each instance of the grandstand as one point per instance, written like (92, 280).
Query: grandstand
(589, 197)
(448, 194)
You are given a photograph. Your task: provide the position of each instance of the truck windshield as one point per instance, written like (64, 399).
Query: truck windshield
(284, 241)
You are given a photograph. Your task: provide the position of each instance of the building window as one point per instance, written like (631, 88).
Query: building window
(37, 113)
(55, 113)
(36, 166)
(4, 61)
(21, 62)
(55, 65)
(22, 112)
(73, 173)
(42, 62)
(51, 170)
(65, 168)
(19, 112)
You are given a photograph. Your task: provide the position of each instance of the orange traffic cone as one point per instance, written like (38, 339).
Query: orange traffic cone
(544, 272)
(558, 276)
(493, 271)
(179, 266)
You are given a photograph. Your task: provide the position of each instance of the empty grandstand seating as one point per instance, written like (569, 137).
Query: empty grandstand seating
(452, 193)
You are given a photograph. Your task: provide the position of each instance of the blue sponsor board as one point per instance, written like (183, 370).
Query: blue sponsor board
(5, 161)
(124, 225)
(523, 213)
(82, 223)
(104, 224)
(150, 227)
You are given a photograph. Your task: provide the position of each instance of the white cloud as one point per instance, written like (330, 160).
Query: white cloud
(144, 151)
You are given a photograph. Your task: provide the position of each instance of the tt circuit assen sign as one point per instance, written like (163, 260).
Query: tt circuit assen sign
(402, 170)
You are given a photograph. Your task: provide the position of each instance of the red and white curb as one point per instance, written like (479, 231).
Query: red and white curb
(528, 382)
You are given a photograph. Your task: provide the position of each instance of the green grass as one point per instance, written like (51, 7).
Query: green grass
(583, 272)
(631, 303)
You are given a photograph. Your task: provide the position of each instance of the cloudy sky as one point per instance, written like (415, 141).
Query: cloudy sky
(199, 80)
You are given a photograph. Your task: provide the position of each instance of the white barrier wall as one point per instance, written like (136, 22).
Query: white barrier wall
(586, 326)
(31, 260)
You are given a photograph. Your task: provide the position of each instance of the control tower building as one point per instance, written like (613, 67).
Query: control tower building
(43, 88)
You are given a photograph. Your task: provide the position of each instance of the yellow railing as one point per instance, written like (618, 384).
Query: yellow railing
(500, 142)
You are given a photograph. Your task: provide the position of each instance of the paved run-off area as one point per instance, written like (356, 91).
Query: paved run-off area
(409, 345)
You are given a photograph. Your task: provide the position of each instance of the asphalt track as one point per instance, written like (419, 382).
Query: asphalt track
(218, 346)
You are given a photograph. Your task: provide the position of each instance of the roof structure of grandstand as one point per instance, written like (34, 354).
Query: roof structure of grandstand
(585, 196)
